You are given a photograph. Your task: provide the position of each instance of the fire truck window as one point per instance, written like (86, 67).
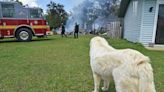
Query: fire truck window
(8, 10)
(34, 13)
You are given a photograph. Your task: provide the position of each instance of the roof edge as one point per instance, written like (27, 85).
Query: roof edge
(123, 7)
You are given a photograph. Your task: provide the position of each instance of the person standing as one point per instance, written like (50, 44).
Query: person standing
(63, 31)
(76, 30)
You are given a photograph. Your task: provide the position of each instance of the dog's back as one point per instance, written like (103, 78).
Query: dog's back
(135, 74)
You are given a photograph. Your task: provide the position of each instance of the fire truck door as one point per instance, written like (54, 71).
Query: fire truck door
(0, 28)
(7, 22)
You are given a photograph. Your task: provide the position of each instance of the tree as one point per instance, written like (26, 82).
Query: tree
(16, 1)
(19, 2)
(56, 15)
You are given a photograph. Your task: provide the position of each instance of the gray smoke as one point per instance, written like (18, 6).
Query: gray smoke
(93, 14)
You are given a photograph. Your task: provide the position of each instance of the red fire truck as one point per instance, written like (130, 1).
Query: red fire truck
(21, 22)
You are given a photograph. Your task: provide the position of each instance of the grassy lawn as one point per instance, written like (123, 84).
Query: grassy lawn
(59, 65)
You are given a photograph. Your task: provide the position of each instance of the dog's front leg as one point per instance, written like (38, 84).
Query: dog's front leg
(97, 80)
(106, 85)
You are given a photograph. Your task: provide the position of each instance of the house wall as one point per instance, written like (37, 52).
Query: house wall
(147, 23)
(132, 22)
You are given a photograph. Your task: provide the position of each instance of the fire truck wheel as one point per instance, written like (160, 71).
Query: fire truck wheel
(24, 35)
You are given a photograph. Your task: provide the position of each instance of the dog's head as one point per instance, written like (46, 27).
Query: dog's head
(98, 41)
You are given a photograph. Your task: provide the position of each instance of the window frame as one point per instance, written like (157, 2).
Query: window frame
(135, 7)
(8, 10)
(39, 15)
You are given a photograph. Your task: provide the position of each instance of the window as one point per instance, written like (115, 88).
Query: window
(8, 10)
(35, 13)
(135, 6)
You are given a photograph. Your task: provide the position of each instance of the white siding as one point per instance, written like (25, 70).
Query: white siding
(147, 24)
(132, 22)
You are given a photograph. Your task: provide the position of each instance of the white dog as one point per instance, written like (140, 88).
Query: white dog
(129, 68)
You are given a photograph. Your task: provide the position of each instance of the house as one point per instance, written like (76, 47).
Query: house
(143, 21)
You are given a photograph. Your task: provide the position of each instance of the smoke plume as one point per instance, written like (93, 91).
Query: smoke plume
(93, 14)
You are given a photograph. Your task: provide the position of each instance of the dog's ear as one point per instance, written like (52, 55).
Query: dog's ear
(142, 60)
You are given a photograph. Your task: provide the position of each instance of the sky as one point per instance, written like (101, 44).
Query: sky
(68, 4)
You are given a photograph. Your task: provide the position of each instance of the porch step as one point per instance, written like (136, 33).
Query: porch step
(156, 47)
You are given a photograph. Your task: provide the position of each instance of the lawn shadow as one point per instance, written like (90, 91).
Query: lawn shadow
(8, 41)
(42, 39)
(15, 41)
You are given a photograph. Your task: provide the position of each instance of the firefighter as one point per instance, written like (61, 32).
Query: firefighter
(63, 31)
(76, 30)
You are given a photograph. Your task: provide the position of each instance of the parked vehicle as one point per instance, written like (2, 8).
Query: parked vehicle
(22, 22)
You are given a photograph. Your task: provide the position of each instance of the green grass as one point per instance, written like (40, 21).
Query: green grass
(59, 65)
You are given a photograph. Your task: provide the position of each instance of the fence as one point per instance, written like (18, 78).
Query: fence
(114, 29)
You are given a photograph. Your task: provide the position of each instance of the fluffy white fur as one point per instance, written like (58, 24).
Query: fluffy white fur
(129, 68)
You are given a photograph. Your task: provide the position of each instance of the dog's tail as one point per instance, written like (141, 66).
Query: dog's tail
(146, 79)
